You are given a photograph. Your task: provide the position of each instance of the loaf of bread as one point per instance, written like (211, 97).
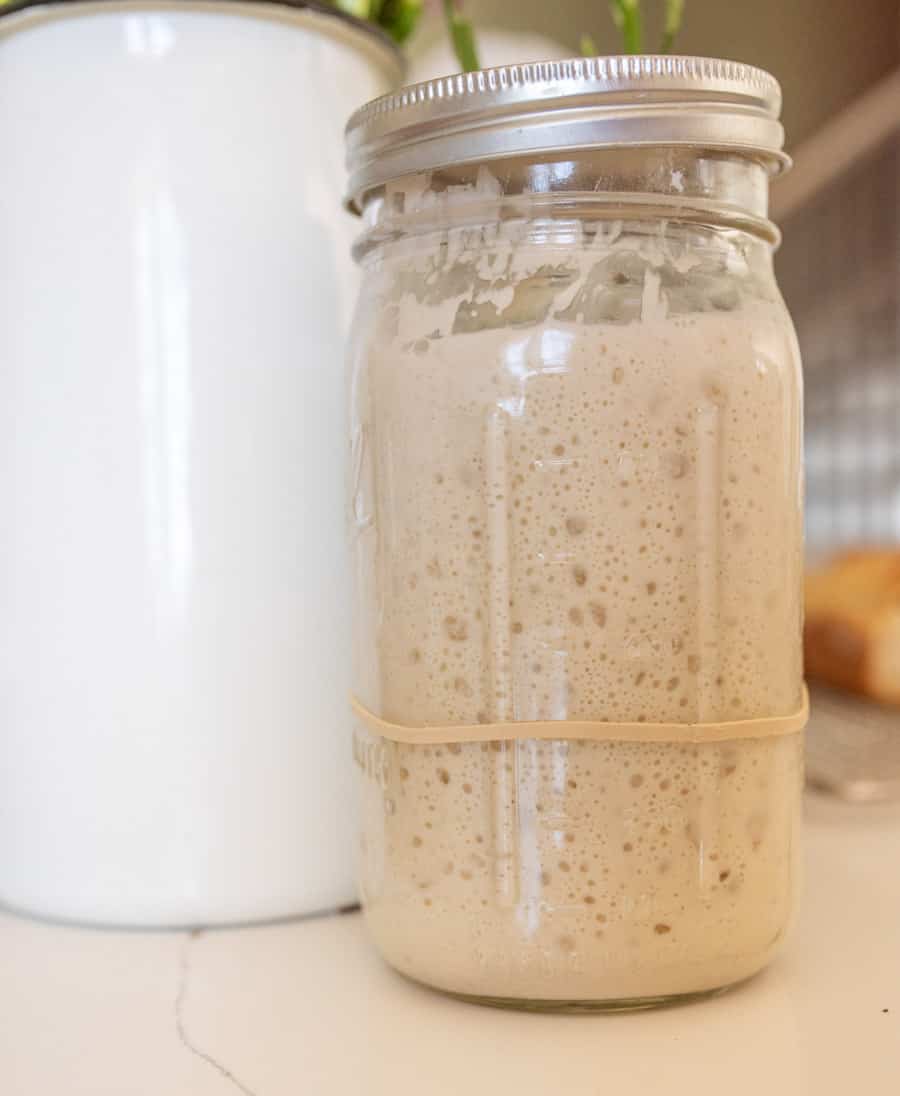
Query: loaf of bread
(852, 634)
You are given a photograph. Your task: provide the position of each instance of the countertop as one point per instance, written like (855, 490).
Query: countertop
(305, 1008)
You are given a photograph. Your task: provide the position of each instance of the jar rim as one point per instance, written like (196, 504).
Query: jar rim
(551, 108)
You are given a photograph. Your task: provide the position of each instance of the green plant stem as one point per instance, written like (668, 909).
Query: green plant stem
(672, 25)
(627, 17)
(462, 37)
(588, 46)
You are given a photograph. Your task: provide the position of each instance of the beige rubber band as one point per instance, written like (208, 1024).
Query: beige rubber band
(596, 731)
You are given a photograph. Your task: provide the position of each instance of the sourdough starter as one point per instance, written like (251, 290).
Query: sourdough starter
(577, 497)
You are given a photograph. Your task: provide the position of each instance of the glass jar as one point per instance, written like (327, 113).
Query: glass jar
(577, 520)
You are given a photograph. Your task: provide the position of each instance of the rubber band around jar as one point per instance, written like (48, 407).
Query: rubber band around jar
(427, 735)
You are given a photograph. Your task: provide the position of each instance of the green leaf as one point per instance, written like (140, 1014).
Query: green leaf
(588, 46)
(627, 17)
(672, 25)
(400, 17)
(462, 36)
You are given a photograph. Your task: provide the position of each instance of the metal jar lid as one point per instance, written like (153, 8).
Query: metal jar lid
(554, 107)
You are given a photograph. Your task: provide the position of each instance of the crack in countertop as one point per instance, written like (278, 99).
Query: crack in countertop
(184, 973)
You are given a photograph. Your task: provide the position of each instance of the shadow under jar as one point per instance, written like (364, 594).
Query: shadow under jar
(576, 505)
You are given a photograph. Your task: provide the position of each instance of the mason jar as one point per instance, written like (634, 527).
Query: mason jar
(576, 511)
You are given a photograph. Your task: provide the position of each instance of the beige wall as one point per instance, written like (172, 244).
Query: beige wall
(822, 51)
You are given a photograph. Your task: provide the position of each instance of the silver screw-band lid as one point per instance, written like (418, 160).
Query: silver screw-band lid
(552, 107)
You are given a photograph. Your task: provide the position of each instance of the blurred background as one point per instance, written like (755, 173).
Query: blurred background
(823, 53)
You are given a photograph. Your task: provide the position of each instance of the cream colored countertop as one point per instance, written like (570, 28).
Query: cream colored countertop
(306, 1009)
